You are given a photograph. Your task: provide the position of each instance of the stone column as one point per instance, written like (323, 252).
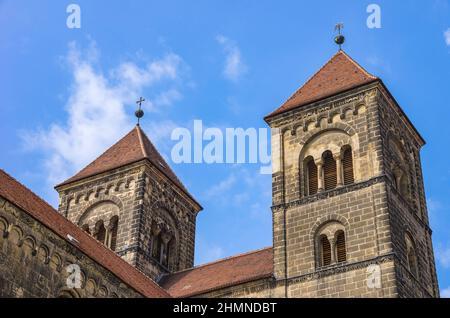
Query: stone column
(339, 175)
(333, 250)
(165, 237)
(320, 183)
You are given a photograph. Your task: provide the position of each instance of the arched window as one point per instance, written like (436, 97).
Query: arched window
(100, 231)
(347, 166)
(341, 252)
(325, 251)
(329, 171)
(112, 237)
(311, 176)
(411, 255)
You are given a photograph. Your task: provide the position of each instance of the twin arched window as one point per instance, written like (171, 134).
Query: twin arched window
(105, 235)
(331, 245)
(329, 172)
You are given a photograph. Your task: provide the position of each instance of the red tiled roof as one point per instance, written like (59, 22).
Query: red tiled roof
(135, 146)
(25, 199)
(223, 273)
(339, 74)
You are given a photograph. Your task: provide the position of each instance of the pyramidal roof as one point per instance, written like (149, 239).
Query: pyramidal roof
(134, 147)
(339, 74)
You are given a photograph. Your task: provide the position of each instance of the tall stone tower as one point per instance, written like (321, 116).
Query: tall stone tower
(130, 200)
(349, 210)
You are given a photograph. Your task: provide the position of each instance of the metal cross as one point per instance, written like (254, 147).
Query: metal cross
(139, 113)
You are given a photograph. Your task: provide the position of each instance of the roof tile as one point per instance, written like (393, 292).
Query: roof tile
(339, 74)
(226, 272)
(135, 146)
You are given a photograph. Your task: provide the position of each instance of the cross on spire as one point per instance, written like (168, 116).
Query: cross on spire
(139, 113)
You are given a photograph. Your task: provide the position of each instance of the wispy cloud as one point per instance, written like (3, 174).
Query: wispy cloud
(234, 66)
(443, 255)
(447, 37)
(445, 293)
(208, 252)
(222, 187)
(98, 108)
(245, 189)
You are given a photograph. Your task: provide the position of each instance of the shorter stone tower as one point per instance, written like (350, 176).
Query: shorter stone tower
(130, 200)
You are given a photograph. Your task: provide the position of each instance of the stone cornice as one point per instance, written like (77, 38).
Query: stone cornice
(330, 193)
(341, 268)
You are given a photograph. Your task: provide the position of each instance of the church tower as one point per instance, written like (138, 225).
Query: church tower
(349, 209)
(130, 200)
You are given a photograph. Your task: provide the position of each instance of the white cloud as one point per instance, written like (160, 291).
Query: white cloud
(445, 293)
(443, 256)
(100, 108)
(234, 66)
(447, 37)
(222, 187)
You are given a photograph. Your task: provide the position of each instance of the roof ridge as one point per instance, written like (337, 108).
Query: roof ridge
(32, 192)
(222, 260)
(228, 284)
(358, 65)
(98, 157)
(312, 76)
(141, 141)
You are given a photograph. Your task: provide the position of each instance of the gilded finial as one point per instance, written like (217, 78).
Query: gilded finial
(339, 39)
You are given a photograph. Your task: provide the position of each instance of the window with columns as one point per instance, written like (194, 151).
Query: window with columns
(107, 235)
(161, 242)
(331, 245)
(329, 171)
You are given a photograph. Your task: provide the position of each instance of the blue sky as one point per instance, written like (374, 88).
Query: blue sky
(67, 94)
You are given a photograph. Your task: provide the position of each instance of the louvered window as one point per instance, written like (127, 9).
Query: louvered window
(325, 251)
(347, 164)
(312, 177)
(341, 252)
(329, 171)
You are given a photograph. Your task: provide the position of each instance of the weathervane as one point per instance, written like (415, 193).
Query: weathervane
(339, 39)
(139, 113)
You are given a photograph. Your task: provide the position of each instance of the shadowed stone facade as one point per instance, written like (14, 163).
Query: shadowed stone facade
(33, 262)
(147, 205)
(374, 214)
